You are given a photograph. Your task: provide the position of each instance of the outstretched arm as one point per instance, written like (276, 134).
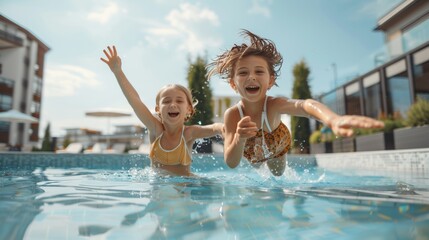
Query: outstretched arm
(340, 125)
(142, 112)
(202, 131)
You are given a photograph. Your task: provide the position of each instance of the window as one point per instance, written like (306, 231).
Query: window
(417, 34)
(421, 73)
(353, 99)
(372, 96)
(398, 89)
(5, 102)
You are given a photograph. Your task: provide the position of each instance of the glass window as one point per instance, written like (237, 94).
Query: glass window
(5, 102)
(372, 96)
(421, 73)
(398, 95)
(353, 99)
(373, 106)
(416, 35)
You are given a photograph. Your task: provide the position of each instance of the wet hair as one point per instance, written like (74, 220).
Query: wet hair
(183, 89)
(224, 64)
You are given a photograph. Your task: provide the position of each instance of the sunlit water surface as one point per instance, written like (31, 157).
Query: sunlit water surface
(243, 203)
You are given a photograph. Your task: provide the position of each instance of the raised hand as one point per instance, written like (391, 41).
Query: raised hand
(113, 60)
(246, 128)
(343, 125)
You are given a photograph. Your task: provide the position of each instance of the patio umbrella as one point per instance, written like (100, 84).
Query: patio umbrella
(108, 113)
(14, 116)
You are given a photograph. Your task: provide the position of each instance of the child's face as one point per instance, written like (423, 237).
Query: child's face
(252, 78)
(173, 105)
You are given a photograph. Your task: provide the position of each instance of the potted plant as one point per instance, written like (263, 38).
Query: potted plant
(378, 139)
(415, 135)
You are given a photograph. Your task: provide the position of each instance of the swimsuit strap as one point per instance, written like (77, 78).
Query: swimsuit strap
(180, 142)
(184, 142)
(264, 118)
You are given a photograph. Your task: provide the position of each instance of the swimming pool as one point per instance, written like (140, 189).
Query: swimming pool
(60, 196)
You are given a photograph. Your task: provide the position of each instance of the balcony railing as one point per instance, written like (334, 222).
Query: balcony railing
(14, 40)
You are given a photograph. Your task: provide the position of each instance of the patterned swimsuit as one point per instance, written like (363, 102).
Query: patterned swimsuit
(266, 145)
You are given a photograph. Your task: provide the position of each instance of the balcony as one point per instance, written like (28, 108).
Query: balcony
(8, 40)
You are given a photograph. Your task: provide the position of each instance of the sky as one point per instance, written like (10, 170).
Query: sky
(156, 39)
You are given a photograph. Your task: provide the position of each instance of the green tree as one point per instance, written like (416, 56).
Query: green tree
(46, 144)
(301, 125)
(200, 88)
(201, 91)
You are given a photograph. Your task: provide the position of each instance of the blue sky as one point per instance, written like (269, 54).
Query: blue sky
(155, 39)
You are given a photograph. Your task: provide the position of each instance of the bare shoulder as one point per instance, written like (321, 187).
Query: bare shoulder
(280, 104)
(231, 114)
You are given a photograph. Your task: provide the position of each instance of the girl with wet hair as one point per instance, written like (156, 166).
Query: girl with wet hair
(253, 126)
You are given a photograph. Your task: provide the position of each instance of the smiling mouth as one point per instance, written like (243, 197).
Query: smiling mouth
(252, 89)
(173, 114)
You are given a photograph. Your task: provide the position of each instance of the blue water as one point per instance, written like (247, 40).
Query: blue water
(48, 196)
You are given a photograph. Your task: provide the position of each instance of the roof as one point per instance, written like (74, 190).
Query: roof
(394, 13)
(28, 33)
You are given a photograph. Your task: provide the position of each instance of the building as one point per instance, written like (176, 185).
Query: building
(22, 57)
(132, 135)
(402, 72)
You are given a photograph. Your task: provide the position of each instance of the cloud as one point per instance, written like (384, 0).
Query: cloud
(190, 25)
(257, 8)
(103, 16)
(65, 80)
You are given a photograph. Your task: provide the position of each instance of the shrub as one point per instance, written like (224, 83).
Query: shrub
(389, 125)
(418, 113)
(316, 137)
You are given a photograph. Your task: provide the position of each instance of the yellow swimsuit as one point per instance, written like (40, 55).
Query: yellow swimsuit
(177, 156)
(266, 145)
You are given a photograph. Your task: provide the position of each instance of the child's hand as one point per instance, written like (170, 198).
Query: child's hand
(113, 60)
(343, 125)
(246, 128)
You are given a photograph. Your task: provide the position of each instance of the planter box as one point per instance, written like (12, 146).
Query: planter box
(411, 137)
(375, 141)
(344, 145)
(324, 147)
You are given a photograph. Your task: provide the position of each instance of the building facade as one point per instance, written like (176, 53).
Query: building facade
(22, 57)
(402, 72)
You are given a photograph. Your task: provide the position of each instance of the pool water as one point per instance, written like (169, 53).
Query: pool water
(48, 196)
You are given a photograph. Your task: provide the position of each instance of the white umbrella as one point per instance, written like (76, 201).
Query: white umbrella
(16, 116)
(108, 113)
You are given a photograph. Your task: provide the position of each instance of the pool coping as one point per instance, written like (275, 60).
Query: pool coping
(415, 161)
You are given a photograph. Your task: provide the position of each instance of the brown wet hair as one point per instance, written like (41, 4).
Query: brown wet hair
(224, 64)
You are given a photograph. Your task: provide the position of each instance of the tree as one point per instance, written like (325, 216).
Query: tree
(46, 144)
(300, 125)
(200, 88)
